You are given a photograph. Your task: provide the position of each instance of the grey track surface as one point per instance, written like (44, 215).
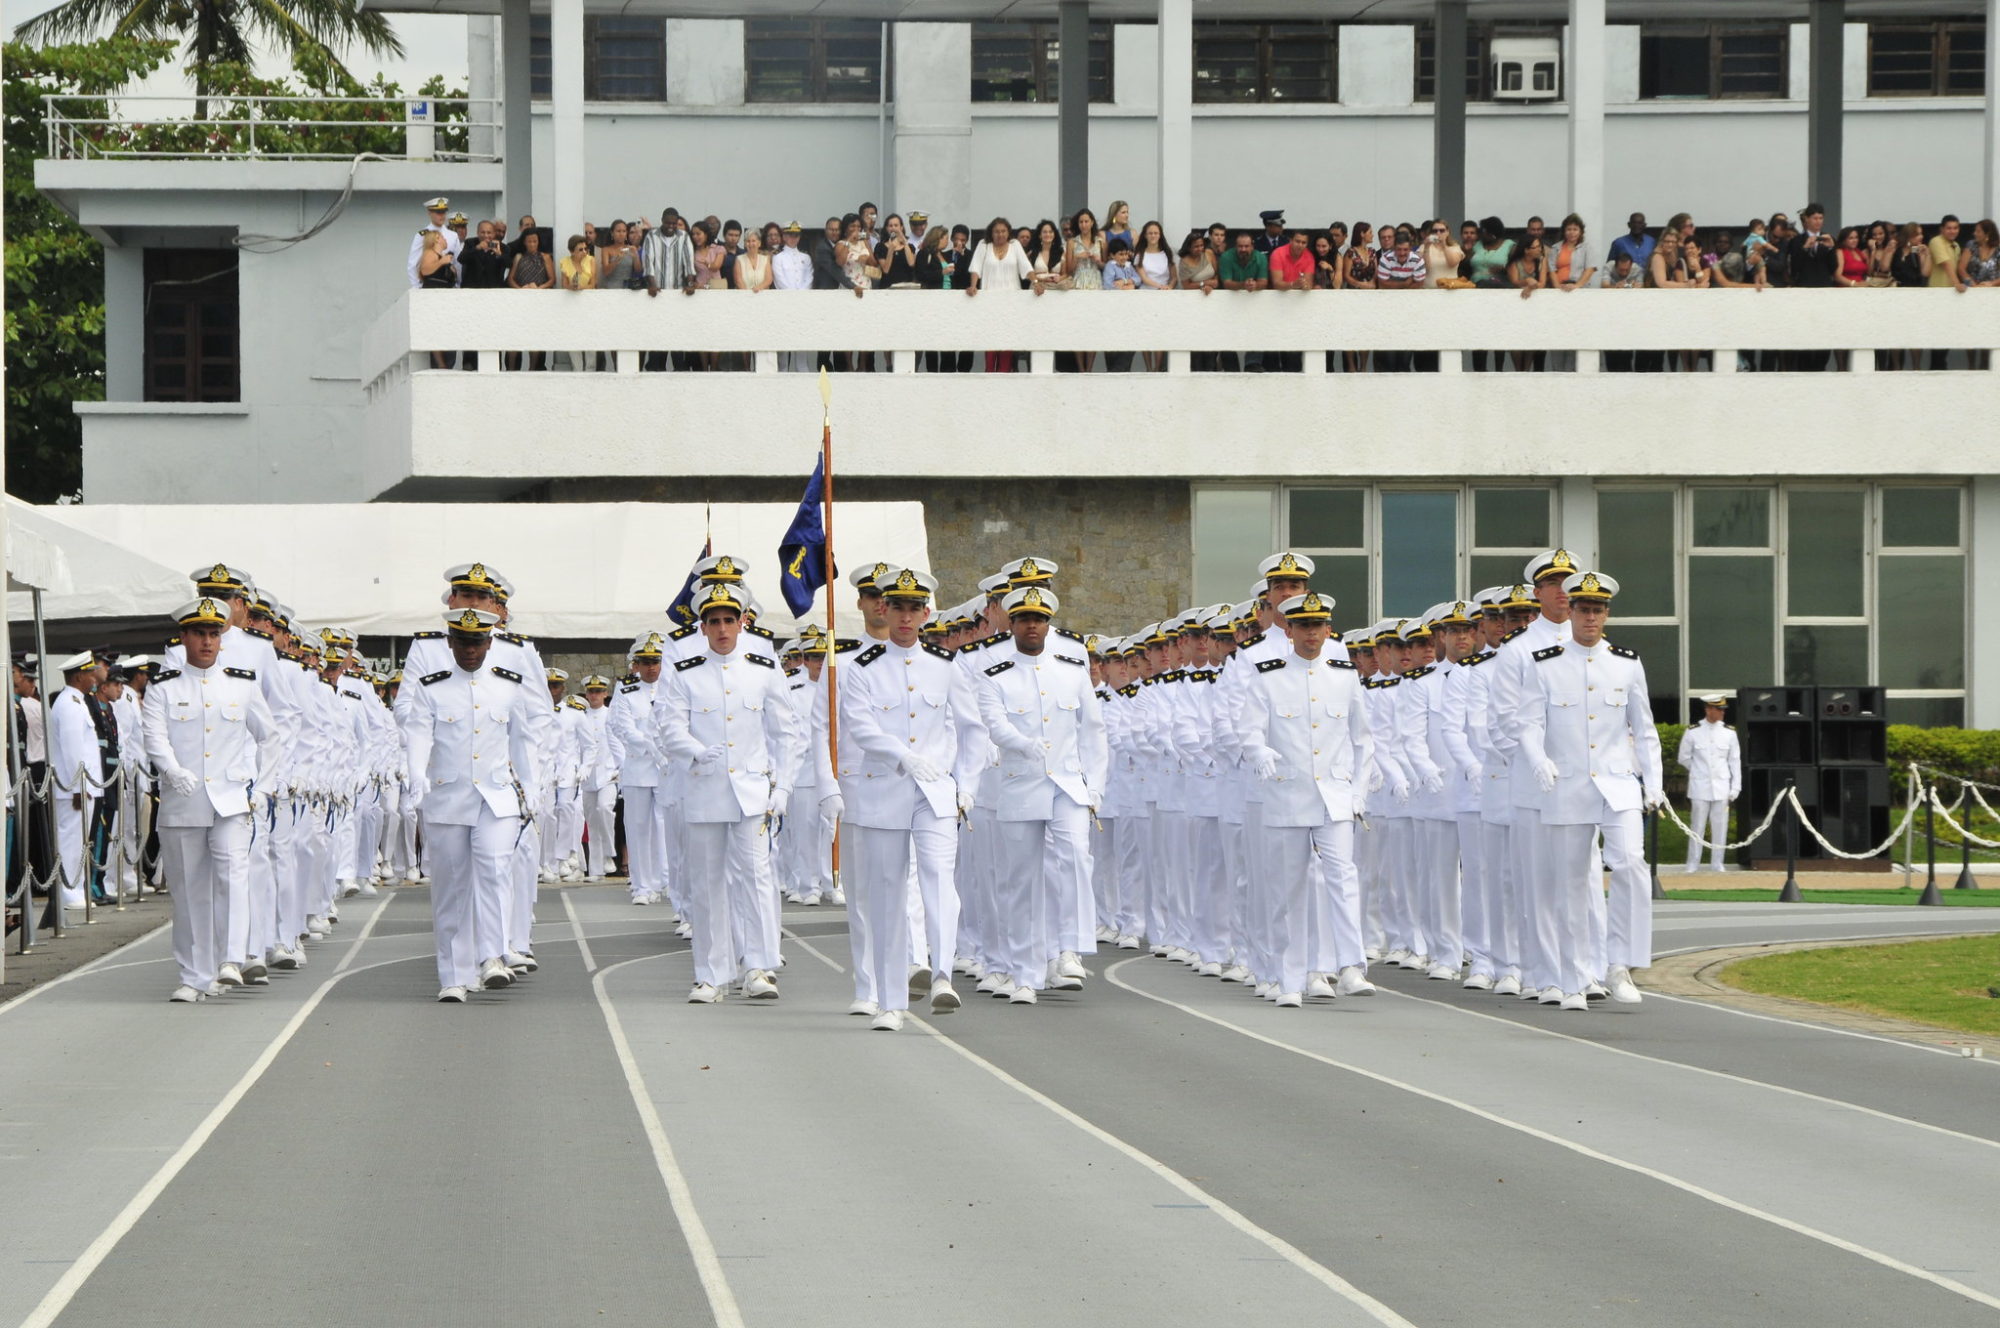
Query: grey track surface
(1463, 1160)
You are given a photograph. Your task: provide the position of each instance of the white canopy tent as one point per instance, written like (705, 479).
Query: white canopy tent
(581, 571)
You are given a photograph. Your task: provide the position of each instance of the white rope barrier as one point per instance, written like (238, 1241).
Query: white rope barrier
(1694, 838)
(1792, 796)
(1965, 835)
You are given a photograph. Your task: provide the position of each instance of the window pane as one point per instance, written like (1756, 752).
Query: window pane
(1931, 712)
(1419, 543)
(1673, 64)
(1900, 59)
(1225, 62)
(1825, 578)
(1635, 531)
(1301, 62)
(1003, 61)
(1731, 616)
(1920, 518)
(1923, 621)
(1731, 518)
(1750, 64)
(1345, 577)
(1500, 569)
(1965, 60)
(628, 58)
(1328, 518)
(1659, 650)
(853, 59)
(1510, 518)
(538, 55)
(1826, 656)
(1232, 534)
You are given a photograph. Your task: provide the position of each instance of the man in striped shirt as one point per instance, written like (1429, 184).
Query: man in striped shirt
(1400, 268)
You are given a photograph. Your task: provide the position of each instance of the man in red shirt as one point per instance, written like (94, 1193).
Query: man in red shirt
(1291, 269)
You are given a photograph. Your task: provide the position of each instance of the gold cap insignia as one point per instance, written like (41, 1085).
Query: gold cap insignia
(469, 621)
(218, 573)
(1590, 584)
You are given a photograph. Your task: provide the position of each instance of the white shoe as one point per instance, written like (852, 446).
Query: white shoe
(1317, 985)
(525, 963)
(1021, 996)
(810, 901)
(1509, 985)
(1396, 956)
(1441, 973)
(1354, 982)
(1106, 936)
(760, 985)
(920, 981)
(1479, 982)
(452, 996)
(412, 876)
(346, 889)
(1234, 973)
(229, 975)
(989, 983)
(1595, 991)
(963, 967)
(1374, 953)
(1552, 996)
(1059, 981)
(838, 898)
(1070, 965)
(545, 876)
(794, 897)
(215, 989)
(1416, 963)
(943, 999)
(641, 900)
(1160, 952)
(493, 975)
(1575, 1001)
(703, 994)
(1623, 989)
(1005, 987)
(1290, 1000)
(1266, 990)
(868, 1009)
(1210, 970)
(332, 915)
(367, 890)
(1128, 942)
(185, 995)
(684, 931)
(570, 874)
(889, 1021)
(316, 926)
(259, 978)
(281, 956)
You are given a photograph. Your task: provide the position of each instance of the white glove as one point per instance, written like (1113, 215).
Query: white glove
(1654, 800)
(1375, 779)
(1399, 789)
(1264, 764)
(964, 801)
(185, 783)
(711, 758)
(1471, 773)
(919, 769)
(832, 807)
(1545, 775)
(1095, 800)
(1434, 782)
(775, 800)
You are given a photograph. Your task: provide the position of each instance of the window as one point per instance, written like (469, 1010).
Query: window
(1478, 69)
(1018, 62)
(1231, 531)
(1331, 525)
(624, 58)
(813, 60)
(1712, 60)
(1265, 62)
(192, 343)
(1946, 58)
(1509, 526)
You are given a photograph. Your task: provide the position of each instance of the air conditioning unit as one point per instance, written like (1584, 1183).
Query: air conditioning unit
(1526, 68)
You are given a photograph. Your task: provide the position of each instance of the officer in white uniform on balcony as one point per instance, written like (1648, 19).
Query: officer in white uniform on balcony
(1714, 763)
(437, 208)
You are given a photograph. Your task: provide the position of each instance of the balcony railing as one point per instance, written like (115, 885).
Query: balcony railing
(274, 128)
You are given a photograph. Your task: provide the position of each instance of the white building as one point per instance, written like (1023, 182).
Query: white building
(1769, 527)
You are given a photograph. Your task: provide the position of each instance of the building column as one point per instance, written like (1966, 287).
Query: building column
(1073, 107)
(517, 115)
(1578, 529)
(1992, 157)
(933, 130)
(566, 118)
(1825, 103)
(1982, 681)
(1584, 79)
(1176, 116)
(1448, 113)
(481, 85)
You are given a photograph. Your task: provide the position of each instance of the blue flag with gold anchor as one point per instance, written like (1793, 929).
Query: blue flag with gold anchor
(802, 560)
(682, 610)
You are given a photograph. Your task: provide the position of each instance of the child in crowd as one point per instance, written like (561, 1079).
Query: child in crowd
(1119, 274)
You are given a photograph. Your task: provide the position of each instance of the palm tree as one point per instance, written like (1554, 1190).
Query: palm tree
(220, 31)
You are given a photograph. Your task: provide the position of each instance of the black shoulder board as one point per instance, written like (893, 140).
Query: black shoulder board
(1624, 652)
(1064, 631)
(1178, 675)
(1129, 689)
(931, 648)
(1424, 672)
(764, 660)
(1000, 668)
(968, 647)
(846, 646)
(1072, 659)
(1470, 660)
(1341, 663)
(352, 696)
(993, 639)
(1267, 665)
(508, 674)
(692, 661)
(764, 632)
(793, 672)
(628, 687)
(251, 674)
(871, 654)
(426, 636)
(173, 640)
(1511, 635)
(259, 633)
(439, 676)
(165, 674)
(1547, 654)
(1249, 641)
(512, 638)
(684, 633)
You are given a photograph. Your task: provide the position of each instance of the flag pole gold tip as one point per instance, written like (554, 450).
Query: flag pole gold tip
(825, 390)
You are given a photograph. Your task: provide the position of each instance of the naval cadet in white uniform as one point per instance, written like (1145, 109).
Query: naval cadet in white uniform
(1714, 762)
(212, 742)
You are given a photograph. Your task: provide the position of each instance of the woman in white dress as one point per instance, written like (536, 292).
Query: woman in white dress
(1003, 267)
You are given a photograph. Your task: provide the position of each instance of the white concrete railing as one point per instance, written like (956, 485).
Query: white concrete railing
(293, 128)
(1590, 322)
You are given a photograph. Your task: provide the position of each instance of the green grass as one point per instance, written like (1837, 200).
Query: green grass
(1945, 983)
(1983, 898)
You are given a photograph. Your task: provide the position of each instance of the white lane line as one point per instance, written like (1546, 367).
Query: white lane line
(367, 930)
(576, 925)
(1693, 1069)
(721, 1300)
(1278, 1245)
(73, 1278)
(1584, 1150)
(91, 967)
(1803, 1022)
(807, 946)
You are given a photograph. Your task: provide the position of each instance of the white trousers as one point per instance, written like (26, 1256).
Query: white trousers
(73, 845)
(1710, 821)
(1044, 874)
(288, 919)
(1212, 895)
(1475, 908)
(600, 819)
(254, 929)
(645, 840)
(1574, 877)
(881, 899)
(1103, 871)
(525, 878)
(204, 866)
(1302, 860)
(732, 906)
(471, 870)
(1437, 893)
(1533, 877)
(1132, 843)
(1395, 865)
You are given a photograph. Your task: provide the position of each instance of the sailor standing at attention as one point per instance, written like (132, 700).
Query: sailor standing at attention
(1714, 763)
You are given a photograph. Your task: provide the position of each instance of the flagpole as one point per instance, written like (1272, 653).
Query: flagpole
(826, 555)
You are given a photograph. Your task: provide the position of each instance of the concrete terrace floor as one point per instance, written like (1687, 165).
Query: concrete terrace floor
(587, 1148)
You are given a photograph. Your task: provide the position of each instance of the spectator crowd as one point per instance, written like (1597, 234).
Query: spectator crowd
(863, 250)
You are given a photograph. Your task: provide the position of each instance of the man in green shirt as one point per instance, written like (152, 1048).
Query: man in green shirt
(1242, 268)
